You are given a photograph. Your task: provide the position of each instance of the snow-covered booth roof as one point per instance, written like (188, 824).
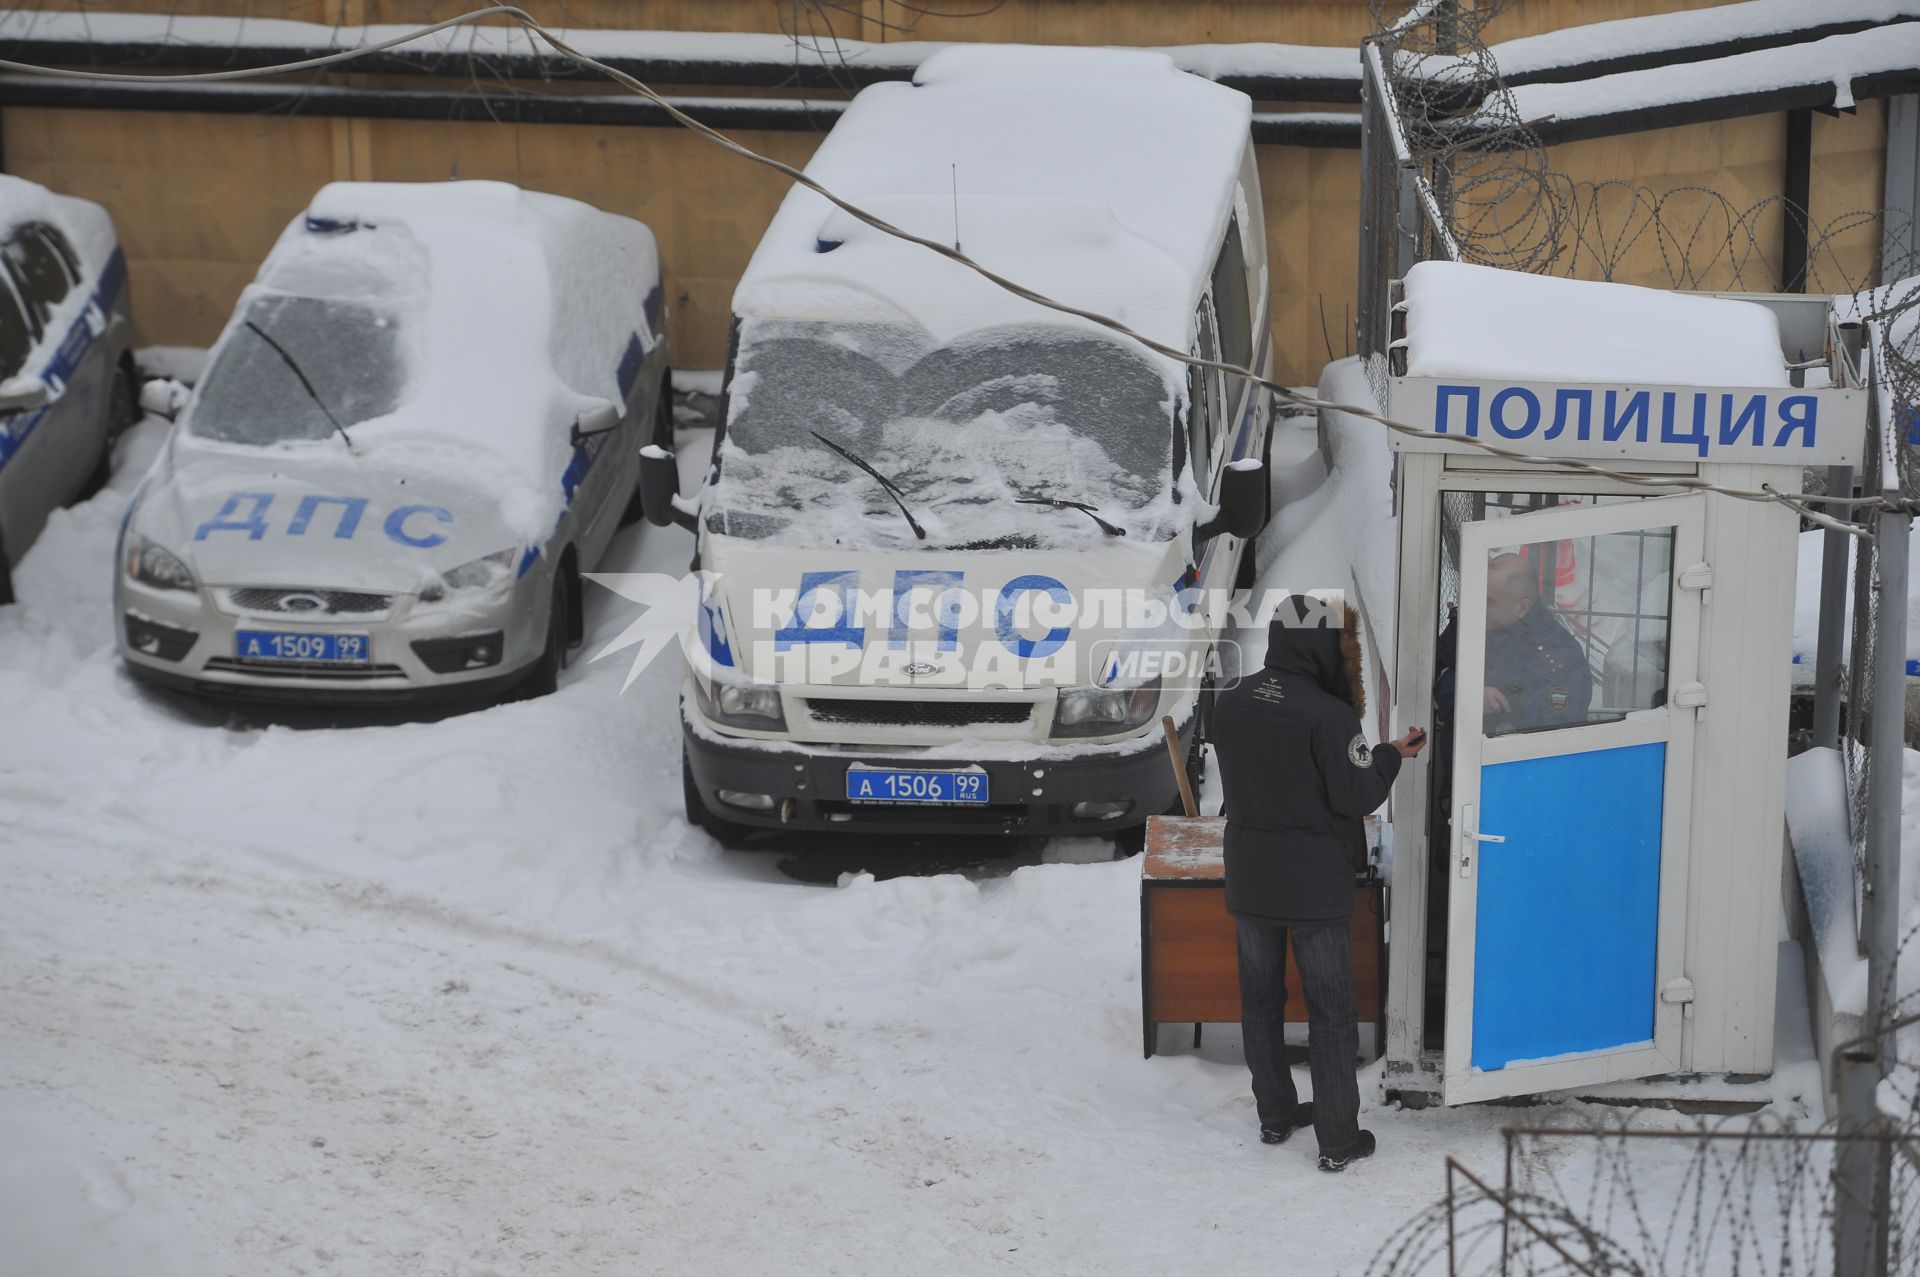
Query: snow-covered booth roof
(1100, 177)
(1577, 368)
(506, 313)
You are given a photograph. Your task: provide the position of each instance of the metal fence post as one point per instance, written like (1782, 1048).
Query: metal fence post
(1886, 726)
(1833, 620)
(1855, 1161)
(1887, 730)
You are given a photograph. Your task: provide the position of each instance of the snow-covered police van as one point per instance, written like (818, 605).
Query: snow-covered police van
(422, 424)
(954, 546)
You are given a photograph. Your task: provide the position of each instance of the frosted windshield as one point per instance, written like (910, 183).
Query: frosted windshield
(972, 435)
(348, 352)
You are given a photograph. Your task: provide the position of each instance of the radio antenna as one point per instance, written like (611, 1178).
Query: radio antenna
(956, 207)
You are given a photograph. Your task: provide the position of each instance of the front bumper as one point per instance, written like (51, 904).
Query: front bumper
(1032, 796)
(396, 673)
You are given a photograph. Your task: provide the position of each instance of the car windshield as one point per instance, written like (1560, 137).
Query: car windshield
(974, 436)
(348, 350)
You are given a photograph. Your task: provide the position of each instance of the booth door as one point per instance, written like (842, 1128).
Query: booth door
(1573, 710)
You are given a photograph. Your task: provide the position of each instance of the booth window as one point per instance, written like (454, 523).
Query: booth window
(1606, 597)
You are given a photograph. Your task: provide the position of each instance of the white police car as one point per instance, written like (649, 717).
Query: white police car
(66, 369)
(421, 425)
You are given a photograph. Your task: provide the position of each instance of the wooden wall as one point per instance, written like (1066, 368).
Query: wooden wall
(200, 198)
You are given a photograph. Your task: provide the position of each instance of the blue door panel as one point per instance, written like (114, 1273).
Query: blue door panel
(1568, 909)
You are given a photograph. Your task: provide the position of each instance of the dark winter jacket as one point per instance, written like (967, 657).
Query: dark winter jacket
(1298, 776)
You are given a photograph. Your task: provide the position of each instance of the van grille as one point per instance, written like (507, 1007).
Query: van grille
(892, 713)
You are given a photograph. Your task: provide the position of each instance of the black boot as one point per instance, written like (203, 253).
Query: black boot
(1301, 1117)
(1362, 1147)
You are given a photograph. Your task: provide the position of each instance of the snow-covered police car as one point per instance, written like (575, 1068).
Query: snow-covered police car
(421, 425)
(950, 539)
(66, 369)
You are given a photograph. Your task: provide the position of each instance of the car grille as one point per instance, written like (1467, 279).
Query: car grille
(892, 713)
(332, 602)
(295, 669)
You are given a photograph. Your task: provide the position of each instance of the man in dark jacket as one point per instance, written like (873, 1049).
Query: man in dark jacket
(1299, 776)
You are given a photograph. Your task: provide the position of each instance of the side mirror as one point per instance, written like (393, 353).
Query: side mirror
(660, 488)
(163, 397)
(596, 420)
(1243, 502)
(23, 394)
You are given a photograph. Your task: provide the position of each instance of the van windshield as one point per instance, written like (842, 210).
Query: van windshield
(965, 432)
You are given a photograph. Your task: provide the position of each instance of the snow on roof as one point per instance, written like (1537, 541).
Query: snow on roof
(1489, 324)
(513, 308)
(740, 48)
(1657, 32)
(1100, 177)
(1839, 59)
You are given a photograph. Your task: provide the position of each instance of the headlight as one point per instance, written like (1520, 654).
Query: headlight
(153, 564)
(1105, 711)
(490, 572)
(750, 705)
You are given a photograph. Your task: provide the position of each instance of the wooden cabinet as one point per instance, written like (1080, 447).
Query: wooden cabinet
(1189, 966)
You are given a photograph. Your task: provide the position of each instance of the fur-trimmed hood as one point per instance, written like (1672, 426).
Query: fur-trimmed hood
(1325, 646)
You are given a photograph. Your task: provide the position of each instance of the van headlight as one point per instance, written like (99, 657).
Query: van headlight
(1105, 711)
(754, 706)
(491, 572)
(151, 563)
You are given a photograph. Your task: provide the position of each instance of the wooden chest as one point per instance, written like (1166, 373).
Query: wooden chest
(1189, 971)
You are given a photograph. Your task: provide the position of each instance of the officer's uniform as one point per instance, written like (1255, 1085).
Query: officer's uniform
(1536, 664)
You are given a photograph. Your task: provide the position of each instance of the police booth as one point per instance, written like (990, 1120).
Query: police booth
(1587, 864)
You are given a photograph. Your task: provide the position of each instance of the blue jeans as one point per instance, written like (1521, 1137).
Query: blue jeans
(1333, 1030)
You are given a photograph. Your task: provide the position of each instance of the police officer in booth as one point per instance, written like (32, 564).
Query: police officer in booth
(1299, 776)
(1536, 675)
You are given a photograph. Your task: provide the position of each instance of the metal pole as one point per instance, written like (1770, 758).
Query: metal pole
(1886, 724)
(1857, 1078)
(1834, 551)
(1372, 288)
(1887, 728)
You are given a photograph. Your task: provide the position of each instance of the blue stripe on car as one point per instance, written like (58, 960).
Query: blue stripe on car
(630, 361)
(66, 357)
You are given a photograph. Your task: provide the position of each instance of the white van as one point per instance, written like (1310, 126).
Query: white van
(947, 534)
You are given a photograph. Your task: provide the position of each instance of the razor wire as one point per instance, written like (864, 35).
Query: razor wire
(1655, 1193)
(1766, 493)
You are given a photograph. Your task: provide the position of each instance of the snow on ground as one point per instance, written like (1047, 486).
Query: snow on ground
(468, 996)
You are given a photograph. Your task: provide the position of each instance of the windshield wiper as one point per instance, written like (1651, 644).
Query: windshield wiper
(893, 489)
(306, 385)
(1112, 530)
